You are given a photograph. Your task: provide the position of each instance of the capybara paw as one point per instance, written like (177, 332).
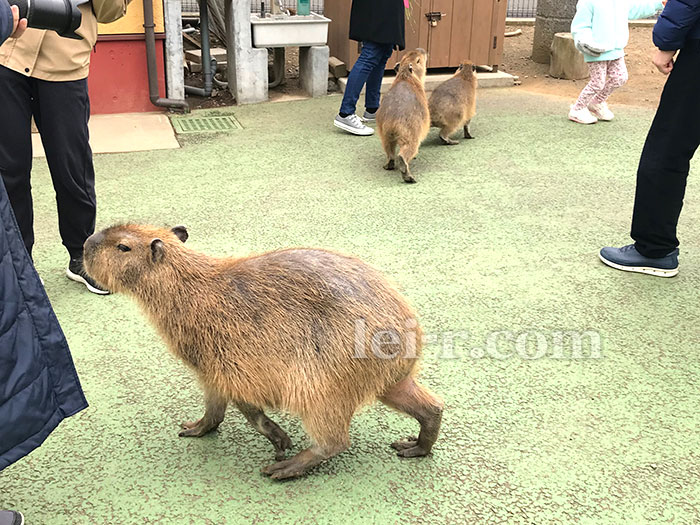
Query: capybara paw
(390, 165)
(405, 443)
(448, 141)
(282, 444)
(195, 429)
(286, 469)
(408, 178)
(409, 448)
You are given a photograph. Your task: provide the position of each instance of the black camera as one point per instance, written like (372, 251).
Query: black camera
(62, 16)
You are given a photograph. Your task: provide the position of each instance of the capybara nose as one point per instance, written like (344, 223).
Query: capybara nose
(92, 241)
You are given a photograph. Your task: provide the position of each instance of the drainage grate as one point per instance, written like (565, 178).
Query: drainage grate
(204, 124)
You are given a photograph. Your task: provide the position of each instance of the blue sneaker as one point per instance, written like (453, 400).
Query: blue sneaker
(628, 259)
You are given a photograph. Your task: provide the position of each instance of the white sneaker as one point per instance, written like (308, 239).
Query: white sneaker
(602, 111)
(582, 116)
(352, 124)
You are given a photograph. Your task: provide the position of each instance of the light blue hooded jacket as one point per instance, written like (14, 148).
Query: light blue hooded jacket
(603, 24)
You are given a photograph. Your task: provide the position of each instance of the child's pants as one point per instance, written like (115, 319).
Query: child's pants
(606, 77)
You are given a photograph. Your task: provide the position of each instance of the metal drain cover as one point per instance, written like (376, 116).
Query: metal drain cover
(204, 124)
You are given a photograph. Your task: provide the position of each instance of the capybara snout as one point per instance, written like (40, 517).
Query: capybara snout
(308, 331)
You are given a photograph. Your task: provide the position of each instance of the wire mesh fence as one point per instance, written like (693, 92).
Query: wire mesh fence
(522, 8)
(191, 6)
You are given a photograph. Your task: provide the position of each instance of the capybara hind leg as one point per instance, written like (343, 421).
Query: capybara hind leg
(268, 428)
(330, 436)
(213, 416)
(411, 398)
(467, 134)
(445, 133)
(406, 155)
(390, 150)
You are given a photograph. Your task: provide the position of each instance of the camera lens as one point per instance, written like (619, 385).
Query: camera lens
(61, 16)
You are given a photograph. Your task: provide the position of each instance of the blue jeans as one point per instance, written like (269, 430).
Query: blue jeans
(369, 70)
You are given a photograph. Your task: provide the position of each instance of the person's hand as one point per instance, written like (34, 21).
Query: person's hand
(664, 2)
(663, 60)
(18, 26)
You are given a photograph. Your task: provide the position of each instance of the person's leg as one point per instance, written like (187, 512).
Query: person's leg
(598, 71)
(374, 80)
(663, 169)
(370, 57)
(16, 148)
(62, 114)
(617, 77)
(62, 119)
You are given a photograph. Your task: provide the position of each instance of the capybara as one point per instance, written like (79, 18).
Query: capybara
(453, 103)
(403, 119)
(306, 331)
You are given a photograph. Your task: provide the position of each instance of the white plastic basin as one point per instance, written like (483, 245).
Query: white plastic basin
(283, 30)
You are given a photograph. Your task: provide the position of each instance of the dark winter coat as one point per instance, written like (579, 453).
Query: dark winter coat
(5, 21)
(678, 23)
(38, 383)
(380, 21)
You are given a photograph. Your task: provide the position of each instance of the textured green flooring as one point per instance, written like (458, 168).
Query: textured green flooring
(500, 233)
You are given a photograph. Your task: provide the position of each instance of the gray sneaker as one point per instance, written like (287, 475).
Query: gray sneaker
(369, 117)
(11, 517)
(352, 124)
(628, 259)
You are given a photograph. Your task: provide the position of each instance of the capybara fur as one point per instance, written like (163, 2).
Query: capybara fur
(453, 103)
(306, 331)
(403, 119)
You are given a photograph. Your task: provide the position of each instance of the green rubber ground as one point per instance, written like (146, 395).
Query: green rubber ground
(500, 234)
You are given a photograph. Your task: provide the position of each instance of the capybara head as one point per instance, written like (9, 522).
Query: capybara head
(123, 256)
(413, 63)
(467, 69)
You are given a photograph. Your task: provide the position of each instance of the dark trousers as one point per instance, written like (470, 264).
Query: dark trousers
(368, 70)
(663, 169)
(61, 111)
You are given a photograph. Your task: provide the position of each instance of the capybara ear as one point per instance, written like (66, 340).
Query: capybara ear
(157, 251)
(410, 67)
(396, 68)
(181, 232)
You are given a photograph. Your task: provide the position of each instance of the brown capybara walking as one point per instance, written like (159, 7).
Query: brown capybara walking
(403, 119)
(307, 331)
(453, 103)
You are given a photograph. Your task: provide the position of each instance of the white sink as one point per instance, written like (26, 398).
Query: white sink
(284, 30)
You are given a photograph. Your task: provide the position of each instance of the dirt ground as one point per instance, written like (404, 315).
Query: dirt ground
(643, 89)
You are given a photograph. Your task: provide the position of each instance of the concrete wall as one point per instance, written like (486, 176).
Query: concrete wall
(553, 16)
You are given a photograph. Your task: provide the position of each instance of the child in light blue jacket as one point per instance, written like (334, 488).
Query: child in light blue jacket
(601, 32)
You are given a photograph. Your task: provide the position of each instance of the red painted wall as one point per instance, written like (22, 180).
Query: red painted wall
(118, 79)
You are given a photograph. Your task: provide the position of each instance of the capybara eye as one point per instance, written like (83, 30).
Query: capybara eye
(123, 248)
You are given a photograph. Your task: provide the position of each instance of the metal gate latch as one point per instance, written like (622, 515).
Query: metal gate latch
(434, 17)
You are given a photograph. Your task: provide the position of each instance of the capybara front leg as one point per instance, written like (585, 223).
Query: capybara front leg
(411, 398)
(213, 416)
(302, 462)
(329, 433)
(467, 134)
(268, 428)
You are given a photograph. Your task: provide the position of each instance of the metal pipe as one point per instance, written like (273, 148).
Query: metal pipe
(153, 89)
(207, 61)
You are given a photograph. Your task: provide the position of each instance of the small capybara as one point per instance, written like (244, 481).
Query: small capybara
(403, 119)
(453, 103)
(306, 331)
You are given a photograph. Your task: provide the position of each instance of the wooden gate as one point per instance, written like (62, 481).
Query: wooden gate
(449, 30)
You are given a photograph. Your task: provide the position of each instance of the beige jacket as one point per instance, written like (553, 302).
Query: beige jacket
(45, 55)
